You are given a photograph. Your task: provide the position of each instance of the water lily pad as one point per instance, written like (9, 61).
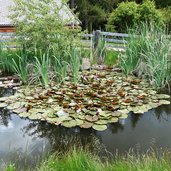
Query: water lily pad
(2, 99)
(166, 102)
(91, 118)
(86, 125)
(123, 116)
(34, 116)
(20, 110)
(163, 96)
(79, 121)
(24, 114)
(69, 124)
(99, 127)
(101, 122)
(2, 105)
(113, 120)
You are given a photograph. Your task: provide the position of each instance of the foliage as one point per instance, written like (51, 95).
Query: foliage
(100, 50)
(167, 17)
(148, 13)
(128, 14)
(83, 160)
(20, 67)
(147, 54)
(91, 14)
(42, 66)
(123, 17)
(111, 57)
(39, 24)
(75, 59)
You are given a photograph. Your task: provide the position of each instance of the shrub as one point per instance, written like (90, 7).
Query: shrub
(167, 17)
(125, 15)
(128, 14)
(148, 13)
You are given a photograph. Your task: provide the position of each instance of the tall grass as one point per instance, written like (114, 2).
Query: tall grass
(100, 50)
(42, 68)
(20, 67)
(82, 160)
(147, 54)
(75, 59)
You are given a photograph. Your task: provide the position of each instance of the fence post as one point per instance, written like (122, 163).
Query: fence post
(97, 35)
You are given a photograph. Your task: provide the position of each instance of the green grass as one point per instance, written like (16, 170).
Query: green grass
(111, 57)
(81, 160)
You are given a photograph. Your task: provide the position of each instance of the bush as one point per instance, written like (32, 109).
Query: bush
(167, 17)
(148, 13)
(129, 14)
(147, 54)
(125, 16)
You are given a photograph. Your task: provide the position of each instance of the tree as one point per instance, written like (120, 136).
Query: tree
(128, 14)
(123, 17)
(39, 23)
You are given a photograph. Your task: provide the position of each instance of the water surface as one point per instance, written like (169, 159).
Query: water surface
(24, 142)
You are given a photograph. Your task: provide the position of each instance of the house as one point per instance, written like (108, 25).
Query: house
(7, 26)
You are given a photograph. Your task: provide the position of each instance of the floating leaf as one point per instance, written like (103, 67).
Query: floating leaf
(99, 127)
(69, 124)
(91, 118)
(166, 102)
(86, 125)
(123, 116)
(2, 105)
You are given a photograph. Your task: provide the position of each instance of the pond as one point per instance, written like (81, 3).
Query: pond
(25, 142)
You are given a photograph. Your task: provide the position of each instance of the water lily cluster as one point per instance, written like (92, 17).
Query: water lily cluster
(100, 97)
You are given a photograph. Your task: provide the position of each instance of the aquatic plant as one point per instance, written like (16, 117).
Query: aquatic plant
(60, 68)
(147, 54)
(20, 67)
(100, 50)
(75, 59)
(99, 98)
(42, 68)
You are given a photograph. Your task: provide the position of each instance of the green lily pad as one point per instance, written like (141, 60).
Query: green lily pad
(24, 114)
(101, 122)
(34, 117)
(86, 125)
(123, 116)
(2, 105)
(2, 99)
(113, 120)
(69, 124)
(99, 127)
(91, 118)
(166, 102)
(163, 96)
(79, 121)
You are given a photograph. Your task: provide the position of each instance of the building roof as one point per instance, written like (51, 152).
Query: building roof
(66, 13)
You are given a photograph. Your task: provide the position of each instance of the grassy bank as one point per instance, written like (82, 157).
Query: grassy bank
(80, 160)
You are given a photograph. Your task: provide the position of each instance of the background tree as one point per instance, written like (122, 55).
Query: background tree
(128, 14)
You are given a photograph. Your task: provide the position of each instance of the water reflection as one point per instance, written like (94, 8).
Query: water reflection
(30, 140)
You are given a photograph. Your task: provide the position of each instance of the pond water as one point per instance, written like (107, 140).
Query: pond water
(24, 142)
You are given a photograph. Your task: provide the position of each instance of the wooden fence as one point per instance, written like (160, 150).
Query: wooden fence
(8, 40)
(116, 41)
